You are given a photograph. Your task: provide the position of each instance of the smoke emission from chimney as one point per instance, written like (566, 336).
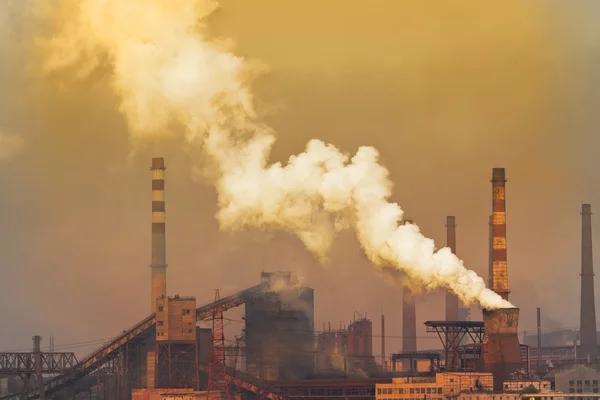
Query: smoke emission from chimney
(166, 70)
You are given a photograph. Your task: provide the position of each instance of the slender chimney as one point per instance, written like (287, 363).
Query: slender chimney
(409, 323)
(451, 298)
(409, 318)
(491, 254)
(539, 340)
(499, 263)
(159, 257)
(587, 330)
(383, 358)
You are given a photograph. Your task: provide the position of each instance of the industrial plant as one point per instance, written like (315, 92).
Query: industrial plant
(281, 354)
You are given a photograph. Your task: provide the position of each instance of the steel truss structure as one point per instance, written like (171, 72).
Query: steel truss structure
(451, 334)
(433, 357)
(177, 365)
(24, 363)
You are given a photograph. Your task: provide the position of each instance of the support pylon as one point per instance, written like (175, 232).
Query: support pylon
(217, 377)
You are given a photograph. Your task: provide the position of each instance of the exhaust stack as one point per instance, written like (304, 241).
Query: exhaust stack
(587, 329)
(409, 319)
(491, 253)
(158, 263)
(499, 263)
(501, 351)
(451, 298)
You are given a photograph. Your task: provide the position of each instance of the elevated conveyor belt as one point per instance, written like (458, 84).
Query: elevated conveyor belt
(112, 348)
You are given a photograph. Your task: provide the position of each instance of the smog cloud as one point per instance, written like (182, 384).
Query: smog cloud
(168, 72)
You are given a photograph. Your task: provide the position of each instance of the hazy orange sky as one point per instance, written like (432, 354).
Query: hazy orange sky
(446, 93)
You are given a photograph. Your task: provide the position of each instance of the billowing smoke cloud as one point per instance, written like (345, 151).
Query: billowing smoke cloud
(170, 75)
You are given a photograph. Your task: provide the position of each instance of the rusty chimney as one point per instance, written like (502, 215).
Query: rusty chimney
(587, 330)
(158, 263)
(451, 298)
(499, 263)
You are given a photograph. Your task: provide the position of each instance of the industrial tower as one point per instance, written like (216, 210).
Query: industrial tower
(587, 330)
(158, 263)
(499, 263)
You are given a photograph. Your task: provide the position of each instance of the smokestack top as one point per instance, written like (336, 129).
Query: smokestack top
(158, 163)
(450, 221)
(586, 209)
(498, 175)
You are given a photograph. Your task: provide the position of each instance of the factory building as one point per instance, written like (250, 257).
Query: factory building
(439, 387)
(279, 330)
(577, 378)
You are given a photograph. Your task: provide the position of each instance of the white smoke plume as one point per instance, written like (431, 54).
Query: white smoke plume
(167, 71)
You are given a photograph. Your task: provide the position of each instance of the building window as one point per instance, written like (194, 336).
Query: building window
(579, 390)
(571, 383)
(412, 390)
(428, 390)
(160, 323)
(587, 383)
(578, 383)
(186, 311)
(595, 382)
(506, 386)
(595, 390)
(400, 391)
(571, 390)
(451, 380)
(160, 308)
(440, 390)
(378, 391)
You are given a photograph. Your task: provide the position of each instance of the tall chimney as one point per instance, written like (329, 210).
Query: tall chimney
(491, 253)
(409, 318)
(158, 263)
(499, 263)
(587, 330)
(539, 340)
(409, 321)
(451, 298)
(383, 358)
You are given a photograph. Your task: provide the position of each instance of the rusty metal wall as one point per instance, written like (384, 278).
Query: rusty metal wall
(451, 298)
(589, 340)
(499, 264)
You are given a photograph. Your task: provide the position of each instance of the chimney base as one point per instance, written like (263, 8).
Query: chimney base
(501, 351)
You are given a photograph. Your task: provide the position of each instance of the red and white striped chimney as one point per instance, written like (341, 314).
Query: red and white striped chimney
(158, 263)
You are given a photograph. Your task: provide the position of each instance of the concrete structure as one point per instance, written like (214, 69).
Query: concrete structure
(577, 378)
(176, 394)
(501, 351)
(588, 339)
(438, 387)
(279, 329)
(331, 352)
(409, 320)
(515, 386)
(176, 357)
(451, 298)
(500, 260)
(158, 263)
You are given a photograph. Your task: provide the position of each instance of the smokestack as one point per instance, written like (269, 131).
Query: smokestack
(501, 351)
(409, 318)
(491, 253)
(499, 263)
(587, 331)
(451, 299)
(383, 358)
(409, 321)
(539, 340)
(159, 253)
